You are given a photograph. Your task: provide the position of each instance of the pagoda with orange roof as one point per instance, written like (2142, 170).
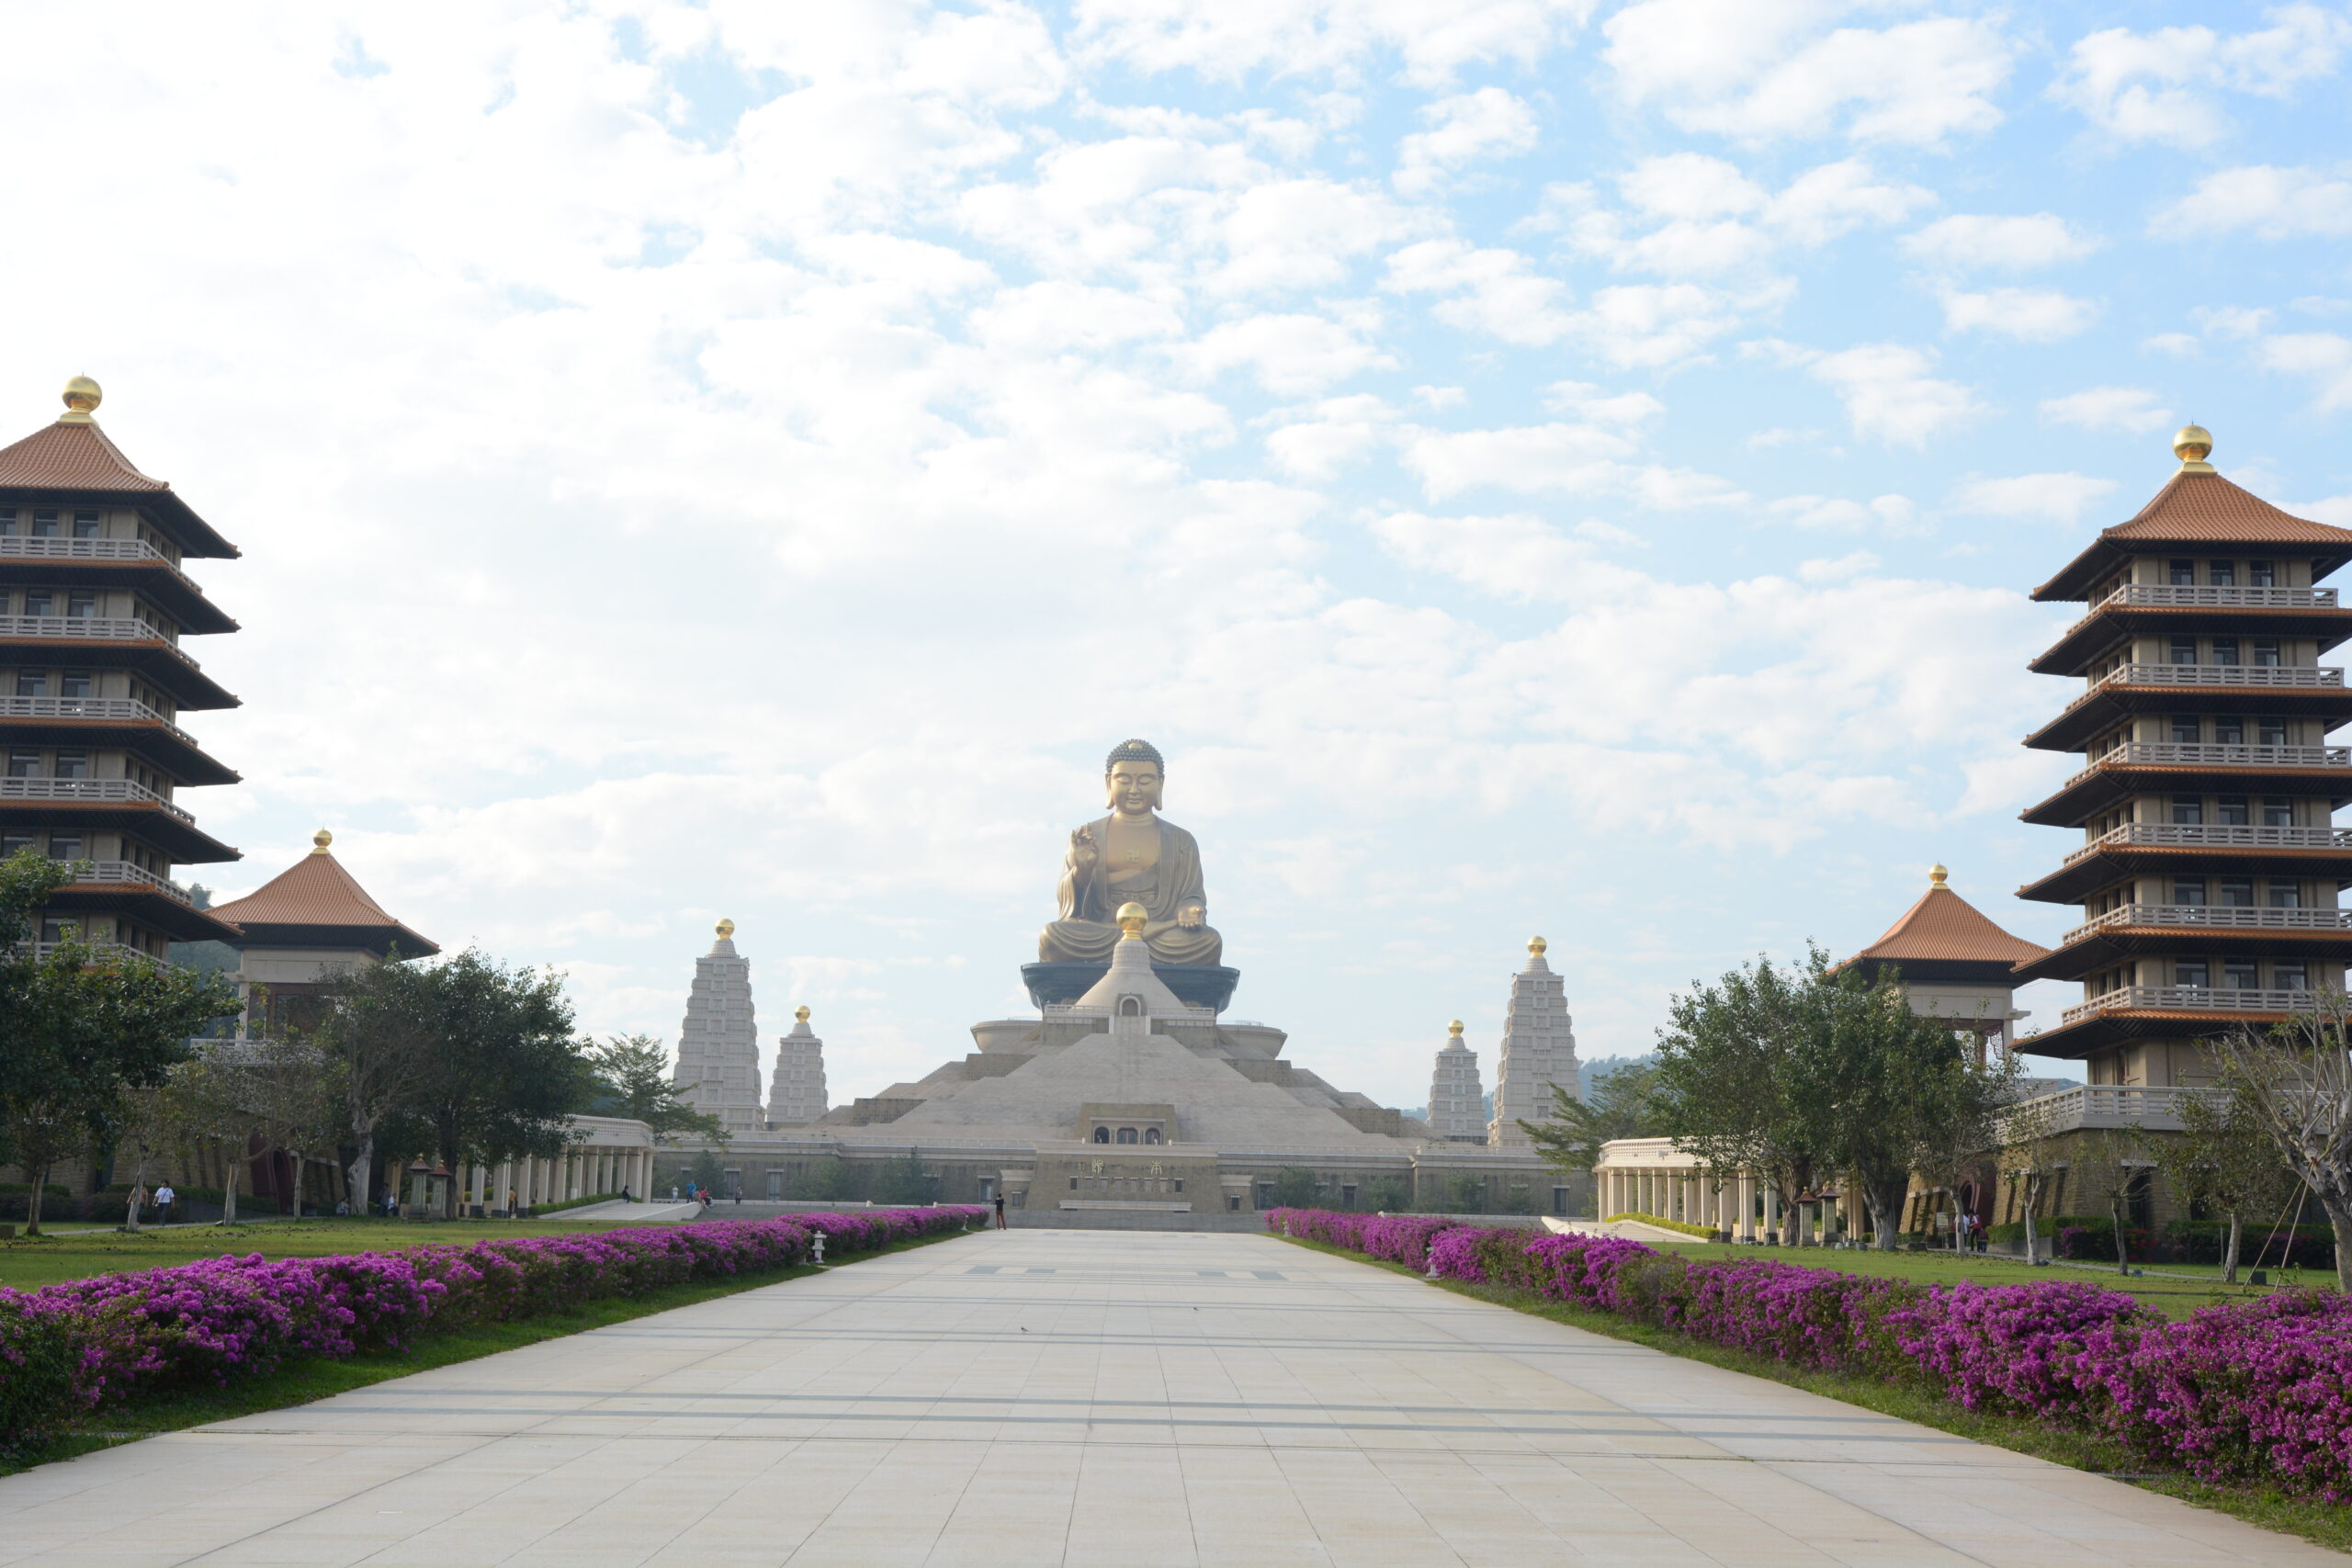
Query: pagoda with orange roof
(305, 927)
(2209, 865)
(93, 606)
(1952, 962)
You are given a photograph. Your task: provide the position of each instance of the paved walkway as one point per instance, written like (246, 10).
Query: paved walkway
(1101, 1399)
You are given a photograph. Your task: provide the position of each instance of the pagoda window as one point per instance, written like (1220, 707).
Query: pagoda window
(73, 682)
(1127, 1135)
(2225, 650)
(2286, 892)
(66, 846)
(2183, 574)
(2271, 731)
(32, 683)
(2188, 890)
(2278, 813)
(2289, 974)
(2237, 892)
(86, 525)
(2241, 975)
(2191, 972)
(2187, 810)
(55, 930)
(73, 765)
(82, 604)
(2230, 811)
(44, 523)
(2185, 729)
(2222, 573)
(2184, 650)
(2261, 574)
(14, 844)
(24, 764)
(39, 602)
(2229, 730)
(2266, 651)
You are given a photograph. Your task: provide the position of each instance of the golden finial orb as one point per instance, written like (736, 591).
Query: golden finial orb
(726, 929)
(1454, 1029)
(801, 1012)
(320, 840)
(2192, 446)
(1937, 874)
(1537, 945)
(1131, 919)
(82, 395)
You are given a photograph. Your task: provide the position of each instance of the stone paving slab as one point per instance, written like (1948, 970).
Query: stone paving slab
(1092, 1398)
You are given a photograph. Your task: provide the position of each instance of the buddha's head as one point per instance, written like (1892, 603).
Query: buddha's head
(1131, 778)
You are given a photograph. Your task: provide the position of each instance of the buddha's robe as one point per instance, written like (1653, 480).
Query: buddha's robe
(1090, 900)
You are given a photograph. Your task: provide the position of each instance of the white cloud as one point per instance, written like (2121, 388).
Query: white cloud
(1227, 40)
(1767, 69)
(1690, 215)
(2322, 358)
(2030, 315)
(1589, 402)
(1291, 355)
(1895, 513)
(2241, 323)
(1887, 390)
(2274, 203)
(1969, 241)
(1495, 292)
(2180, 346)
(2053, 498)
(1576, 459)
(2162, 85)
(1337, 433)
(2133, 410)
(1467, 128)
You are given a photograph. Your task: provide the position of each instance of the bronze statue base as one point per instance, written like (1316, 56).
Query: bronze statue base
(1195, 984)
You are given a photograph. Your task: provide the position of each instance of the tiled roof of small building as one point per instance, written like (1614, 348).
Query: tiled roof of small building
(315, 892)
(71, 456)
(2199, 509)
(1944, 927)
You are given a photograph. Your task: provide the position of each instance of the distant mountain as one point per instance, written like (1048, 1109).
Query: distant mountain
(1589, 1071)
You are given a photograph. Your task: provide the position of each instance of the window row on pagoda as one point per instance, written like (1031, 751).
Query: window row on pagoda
(2231, 891)
(2176, 572)
(83, 763)
(2213, 811)
(2204, 972)
(2261, 653)
(83, 523)
(101, 929)
(69, 844)
(50, 681)
(2216, 730)
(47, 600)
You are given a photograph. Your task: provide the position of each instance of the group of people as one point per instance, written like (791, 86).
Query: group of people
(162, 1198)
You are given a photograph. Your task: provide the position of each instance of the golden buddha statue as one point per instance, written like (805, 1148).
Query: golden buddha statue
(1132, 856)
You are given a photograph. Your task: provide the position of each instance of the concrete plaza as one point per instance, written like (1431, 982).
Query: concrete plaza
(1093, 1399)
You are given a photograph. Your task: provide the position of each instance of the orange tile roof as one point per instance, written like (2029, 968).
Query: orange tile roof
(2198, 508)
(71, 457)
(316, 891)
(1945, 928)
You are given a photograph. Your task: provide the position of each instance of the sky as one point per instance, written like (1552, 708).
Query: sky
(1533, 467)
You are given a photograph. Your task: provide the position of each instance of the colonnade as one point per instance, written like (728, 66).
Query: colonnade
(577, 1172)
(1741, 1206)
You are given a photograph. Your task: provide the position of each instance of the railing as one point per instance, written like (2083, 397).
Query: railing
(2214, 917)
(2098, 1105)
(104, 950)
(2300, 676)
(2166, 596)
(2165, 835)
(2188, 754)
(88, 707)
(2192, 998)
(96, 628)
(88, 789)
(126, 870)
(80, 549)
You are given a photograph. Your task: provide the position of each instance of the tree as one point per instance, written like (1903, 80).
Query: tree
(2296, 1081)
(632, 1078)
(501, 1070)
(2029, 1155)
(1388, 1194)
(1724, 1088)
(826, 1180)
(80, 1028)
(1623, 1105)
(2109, 1160)
(706, 1173)
(202, 1108)
(373, 1023)
(901, 1180)
(292, 1089)
(2223, 1158)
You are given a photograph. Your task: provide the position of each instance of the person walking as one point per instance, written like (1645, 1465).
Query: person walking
(164, 1199)
(1000, 1211)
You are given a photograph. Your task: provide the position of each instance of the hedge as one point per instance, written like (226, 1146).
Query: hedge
(69, 1348)
(2254, 1392)
(1659, 1221)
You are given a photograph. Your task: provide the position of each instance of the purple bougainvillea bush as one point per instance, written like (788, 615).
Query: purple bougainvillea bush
(70, 1347)
(2258, 1392)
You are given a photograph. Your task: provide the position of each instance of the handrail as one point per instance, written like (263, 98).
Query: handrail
(2166, 835)
(2182, 754)
(88, 789)
(2214, 917)
(88, 707)
(2192, 998)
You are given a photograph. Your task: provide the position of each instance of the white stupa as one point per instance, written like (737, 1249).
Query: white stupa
(796, 1089)
(718, 1044)
(1539, 1050)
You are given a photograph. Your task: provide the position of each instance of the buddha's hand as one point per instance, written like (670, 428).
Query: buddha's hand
(1191, 916)
(1082, 850)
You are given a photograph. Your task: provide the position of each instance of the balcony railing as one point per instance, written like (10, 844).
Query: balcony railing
(2190, 999)
(2294, 676)
(96, 628)
(80, 549)
(106, 951)
(2186, 754)
(2098, 1105)
(2166, 596)
(88, 789)
(119, 708)
(2214, 917)
(123, 871)
(2167, 836)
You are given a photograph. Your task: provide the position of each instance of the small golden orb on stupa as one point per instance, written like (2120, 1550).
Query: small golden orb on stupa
(2192, 446)
(1131, 917)
(726, 929)
(801, 1012)
(1537, 945)
(320, 840)
(1454, 1029)
(1937, 874)
(81, 395)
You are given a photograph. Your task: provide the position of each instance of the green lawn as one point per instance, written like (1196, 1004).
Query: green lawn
(30, 1262)
(2173, 1298)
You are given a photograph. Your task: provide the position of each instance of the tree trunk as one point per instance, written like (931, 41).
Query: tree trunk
(32, 1201)
(2230, 1253)
(2122, 1252)
(1885, 1216)
(2032, 1198)
(229, 1191)
(362, 1175)
(2339, 1217)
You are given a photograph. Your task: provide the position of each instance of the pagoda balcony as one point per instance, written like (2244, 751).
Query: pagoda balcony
(124, 710)
(2213, 916)
(2167, 834)
(2146, 929)
(2231, 1000)
(2286, 690)
(2197, 768)
(108, 791)
(25, 546)
(2098, 1105)
(117, 642)
(90, 873)
(2143, 608)
(129, 562)
(2164, 849)
(101, 629)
